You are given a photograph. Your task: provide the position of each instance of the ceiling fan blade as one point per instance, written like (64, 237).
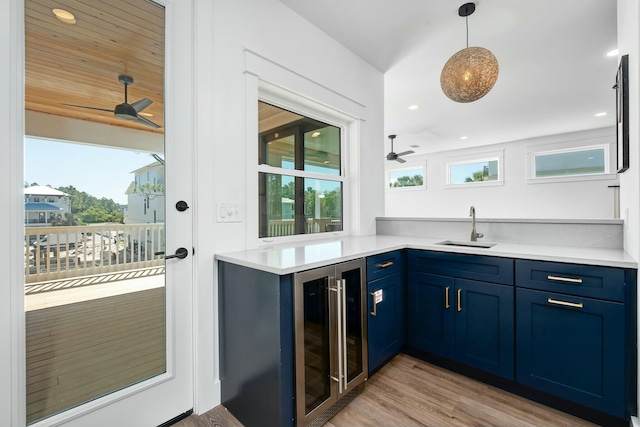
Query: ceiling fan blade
(147, 122)
(401, 160)
(89, 108)
(406, 152)
(141, 104)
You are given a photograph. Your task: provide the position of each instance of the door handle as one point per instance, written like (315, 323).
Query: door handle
(180, 253)
(375, 304)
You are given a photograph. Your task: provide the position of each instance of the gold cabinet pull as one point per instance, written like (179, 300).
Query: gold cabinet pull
(564, 279)
(446, 297)
(385, 265)
(459, 299)
(565, 303)
(375, 304)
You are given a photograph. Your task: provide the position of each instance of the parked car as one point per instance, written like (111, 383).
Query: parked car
(61, 242)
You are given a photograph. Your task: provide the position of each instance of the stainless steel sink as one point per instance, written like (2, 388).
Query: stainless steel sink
(469, 244)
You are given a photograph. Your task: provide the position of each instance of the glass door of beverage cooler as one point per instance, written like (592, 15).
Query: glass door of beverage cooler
(354, 323)
(330, 331)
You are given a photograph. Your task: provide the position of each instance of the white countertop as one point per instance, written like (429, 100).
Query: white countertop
(294, 257)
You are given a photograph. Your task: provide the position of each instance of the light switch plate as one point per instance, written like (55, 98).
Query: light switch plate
(229, 212)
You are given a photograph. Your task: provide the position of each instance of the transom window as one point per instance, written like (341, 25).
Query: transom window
(577, 161)
(472, 170)
(300, 174)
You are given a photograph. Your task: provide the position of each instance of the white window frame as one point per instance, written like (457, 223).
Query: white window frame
(297, 104)
(569, 147)
(474, 158)
(422, 167)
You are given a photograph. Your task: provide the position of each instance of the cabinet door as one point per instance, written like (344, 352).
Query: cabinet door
(572, 347)
(484, 327)
(386, 319)
(430, 311)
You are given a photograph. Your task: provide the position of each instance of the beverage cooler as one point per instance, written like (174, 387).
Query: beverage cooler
(330, 333)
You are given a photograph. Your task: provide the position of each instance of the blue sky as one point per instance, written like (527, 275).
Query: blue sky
(100, 172)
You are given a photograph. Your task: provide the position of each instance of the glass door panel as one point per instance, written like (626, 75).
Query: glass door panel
(317, 360)
(96, 306)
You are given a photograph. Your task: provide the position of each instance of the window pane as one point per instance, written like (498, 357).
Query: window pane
(322, 205)
(322, 150)
(406, 178)
(280, 150)
(463, 173)
(583, 162)
(277, 205)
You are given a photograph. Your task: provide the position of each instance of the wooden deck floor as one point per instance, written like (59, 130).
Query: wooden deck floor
(86, 341)
(408, 392)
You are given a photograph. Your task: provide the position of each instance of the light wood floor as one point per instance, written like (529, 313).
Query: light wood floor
(409, 392)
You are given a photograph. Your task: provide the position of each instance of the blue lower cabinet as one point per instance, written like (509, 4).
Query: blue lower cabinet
(484, 326)
(430, 313)
(386, 329)
(464, 320)
(572, 347)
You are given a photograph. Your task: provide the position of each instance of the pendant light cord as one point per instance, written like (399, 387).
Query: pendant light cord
(466, 20)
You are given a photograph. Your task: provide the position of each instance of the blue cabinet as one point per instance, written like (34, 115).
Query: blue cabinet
(386, 318)
(452, 316)
(570, 343)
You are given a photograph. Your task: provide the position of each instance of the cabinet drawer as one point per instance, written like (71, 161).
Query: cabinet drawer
(581, 280)
(384, 264)
(474, 267)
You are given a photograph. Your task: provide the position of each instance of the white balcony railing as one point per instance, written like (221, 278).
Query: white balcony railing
(53, 253)
(286, 227)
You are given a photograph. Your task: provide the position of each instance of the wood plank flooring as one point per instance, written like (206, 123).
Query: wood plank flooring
(408, 392)
(86, 342)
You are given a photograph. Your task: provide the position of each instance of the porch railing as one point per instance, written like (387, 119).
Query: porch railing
(286, 227)
(53, 253)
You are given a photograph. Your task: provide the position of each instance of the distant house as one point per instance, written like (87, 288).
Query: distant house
(145, 195)
(43, 205)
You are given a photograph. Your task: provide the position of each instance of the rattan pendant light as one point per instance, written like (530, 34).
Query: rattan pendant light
(470, 73)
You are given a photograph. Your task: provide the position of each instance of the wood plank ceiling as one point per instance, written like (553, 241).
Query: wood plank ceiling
(80, 63)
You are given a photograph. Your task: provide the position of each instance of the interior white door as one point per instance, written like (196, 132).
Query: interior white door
(168, 392)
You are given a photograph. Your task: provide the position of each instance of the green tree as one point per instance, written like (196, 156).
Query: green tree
(475, 177)
(409, 181)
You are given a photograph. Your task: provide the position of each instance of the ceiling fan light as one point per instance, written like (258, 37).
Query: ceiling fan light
(64, 16)
(469, 74)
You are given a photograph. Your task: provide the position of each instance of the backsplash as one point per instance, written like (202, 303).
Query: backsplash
(606, 233)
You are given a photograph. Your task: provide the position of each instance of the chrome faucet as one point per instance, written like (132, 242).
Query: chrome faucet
(474, 234)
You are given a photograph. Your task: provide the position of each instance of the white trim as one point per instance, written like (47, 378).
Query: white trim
(603, 142)
(275, 84)
(474, 158)
(12, 334)
(422, 167)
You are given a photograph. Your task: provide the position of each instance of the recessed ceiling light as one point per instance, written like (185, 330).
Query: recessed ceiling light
(601, 114)
(413, 107)
(315, 134)
(613, 52)
(64, 16)
(414, 146)
(146, 114)
(464, 137)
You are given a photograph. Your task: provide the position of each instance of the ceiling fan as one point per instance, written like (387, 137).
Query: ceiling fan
(396, 156)
(125, 110)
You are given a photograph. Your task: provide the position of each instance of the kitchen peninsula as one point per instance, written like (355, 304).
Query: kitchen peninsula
(556, 310)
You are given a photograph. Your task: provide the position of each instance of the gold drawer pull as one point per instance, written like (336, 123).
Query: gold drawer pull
(459, 299)
(564, 279)
(446, 297)
(385, 265)
(568, 304)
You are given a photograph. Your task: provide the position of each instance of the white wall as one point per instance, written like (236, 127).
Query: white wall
(590, 199)
(629, 43)
(225, 31)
